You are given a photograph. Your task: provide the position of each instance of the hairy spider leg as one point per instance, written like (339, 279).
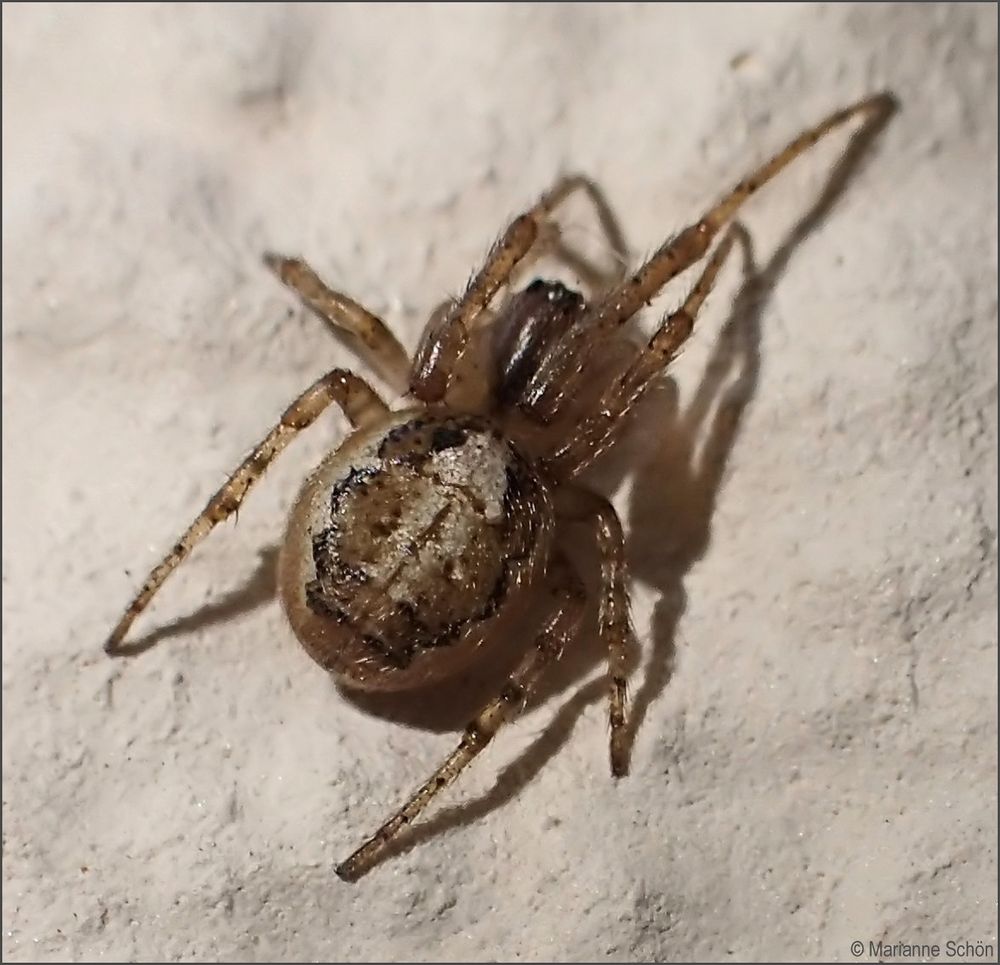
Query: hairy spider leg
(447, 332)
(360, 404)
(597, 431)
(597, 279)
(365, 333)
(568, 601)
(615, 627)
(560, 373)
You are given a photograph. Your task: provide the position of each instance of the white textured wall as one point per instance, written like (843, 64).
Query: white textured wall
(822, 764)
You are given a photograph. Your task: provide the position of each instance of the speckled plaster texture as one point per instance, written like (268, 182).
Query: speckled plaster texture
(816, 603)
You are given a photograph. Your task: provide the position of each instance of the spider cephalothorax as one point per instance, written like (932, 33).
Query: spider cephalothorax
(535, 320)
(425, 523)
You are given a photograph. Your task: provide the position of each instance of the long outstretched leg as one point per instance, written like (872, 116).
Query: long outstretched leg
(560, 374)
(580, 504)
(445, 337)
(567, 607)
(365, 332)
(361, 405)
(594, 434)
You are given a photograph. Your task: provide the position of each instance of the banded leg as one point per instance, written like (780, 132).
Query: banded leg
(615, 626)
(596, 432)
(567, 607)
(362, 407)
(364, 332)
(596, 279)
(560, 375)
(447, 333)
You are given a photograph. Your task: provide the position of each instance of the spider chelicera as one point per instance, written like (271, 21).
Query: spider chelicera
(430, 518)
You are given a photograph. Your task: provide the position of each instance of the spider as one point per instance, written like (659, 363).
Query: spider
(430, 519)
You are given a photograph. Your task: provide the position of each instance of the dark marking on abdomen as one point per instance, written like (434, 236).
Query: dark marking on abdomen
(447, 437)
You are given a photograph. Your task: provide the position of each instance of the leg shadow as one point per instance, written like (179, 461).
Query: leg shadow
(258, 590)
(682, 482)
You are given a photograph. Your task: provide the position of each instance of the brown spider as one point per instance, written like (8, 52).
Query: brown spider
(430, 519)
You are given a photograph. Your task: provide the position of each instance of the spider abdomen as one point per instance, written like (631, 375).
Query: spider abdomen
(404, 539)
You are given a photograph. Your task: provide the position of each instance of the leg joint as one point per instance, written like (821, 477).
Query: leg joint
(476, 736)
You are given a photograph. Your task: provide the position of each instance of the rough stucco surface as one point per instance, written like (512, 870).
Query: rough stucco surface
(817, 761)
